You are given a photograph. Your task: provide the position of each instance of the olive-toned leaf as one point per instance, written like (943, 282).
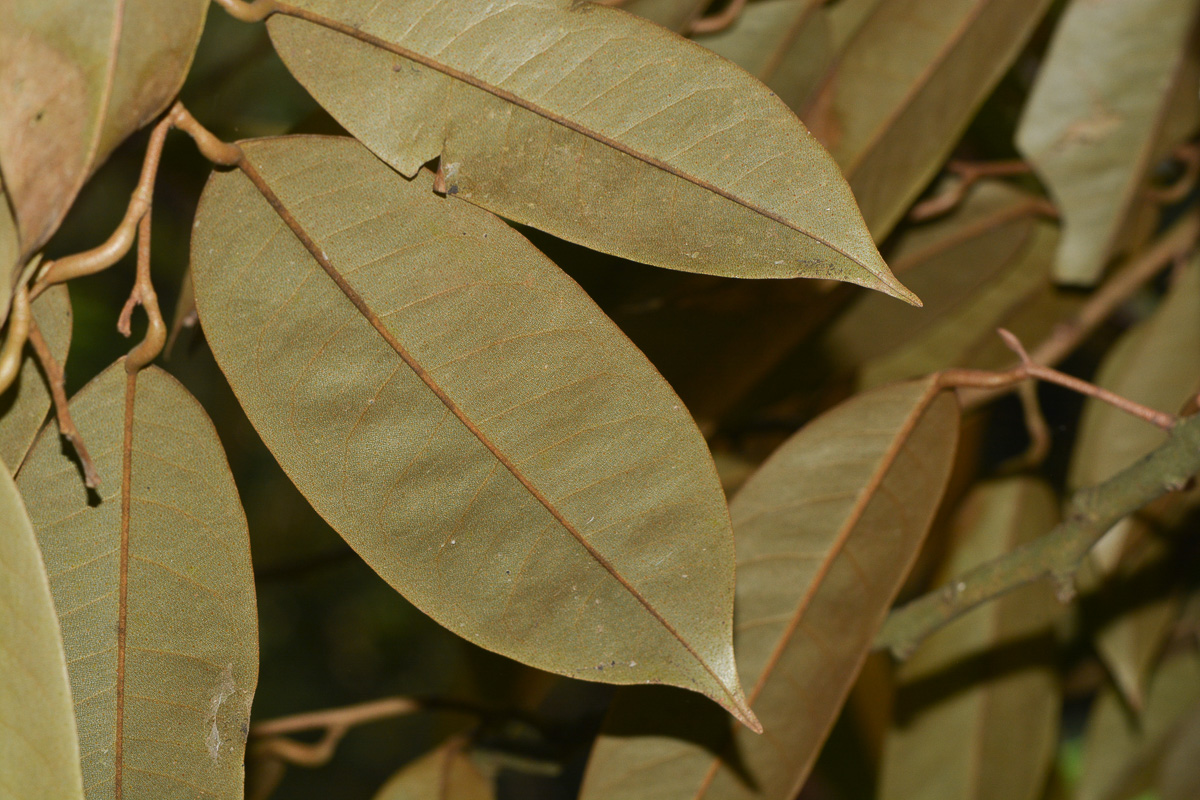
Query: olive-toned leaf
(675, 15)
(826, 531)
(76, 78)
(467, 419)
(978, 704)
(39, 749)
(23, 407)
(447, 773)
(10, 253)
(1179, 773)
(977, 270)
(786, 44)
(153, 587)
(592, 125)
(1093, 117)
(1153, 364)
(905, 88)
(1122, 751)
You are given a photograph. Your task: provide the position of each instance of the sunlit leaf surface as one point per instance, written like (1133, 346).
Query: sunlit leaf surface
(826, 531)
(590, 124)
(39, 750)
(464, 415)
(153, 588)
(447, 773)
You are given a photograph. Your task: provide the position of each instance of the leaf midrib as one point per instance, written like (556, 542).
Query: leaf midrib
(363, 308)
(503, 94)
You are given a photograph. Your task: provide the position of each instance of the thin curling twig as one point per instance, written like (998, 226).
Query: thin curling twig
(58, 393)
(1179, 239)
(1009, 379)
(719, 21)
(970, 173)
(335, 722)
(11, 354)
(143, 294)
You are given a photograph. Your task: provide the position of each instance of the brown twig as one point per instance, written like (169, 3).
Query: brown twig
(719, 21)
(62, 412)
(1009, 379)
(970, 173)
(1058, 554)
(1036, 427)
(1178, 239)
(20, 318)
(335, 722)
(1187, 154)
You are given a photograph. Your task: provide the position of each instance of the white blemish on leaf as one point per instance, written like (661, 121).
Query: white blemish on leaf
(224, 688)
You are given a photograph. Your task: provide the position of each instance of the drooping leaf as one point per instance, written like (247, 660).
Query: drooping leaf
(24, 406)
(1121, 751)
(905, 88)
(467, 419)
(591, 124)
(1153, 364)
(39, 749)
(1092, 120)
(447, 773)
(76, 78)
(675, 15)
(826, 531)
(978, 703)
(1009, 252)
(153, 587)
(786, 44)
(1179, 772)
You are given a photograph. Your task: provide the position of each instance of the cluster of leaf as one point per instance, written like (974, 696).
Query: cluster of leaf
(490, 439)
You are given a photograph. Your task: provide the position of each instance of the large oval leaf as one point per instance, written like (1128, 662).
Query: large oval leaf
(905, 88)
(10, 253)
(39, 750)
(464, 415)
(978, 703)
(23, 407)
(154, 590)
(826, 532)
(76, 78)
(590, 124)
(1092, 121)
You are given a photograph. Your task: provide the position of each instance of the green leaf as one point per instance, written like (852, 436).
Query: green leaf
(447, 773)
(979, 702)
(1092, 120)
(826, 532)
(905, 88)
(675, 15)
(467, 419)
(1010, 252)
(23, 407)
(589, 124)
(1121, 752)
(76, 78)
(39, 750)
(1153, 364)
(153, 587)
(786, 44)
